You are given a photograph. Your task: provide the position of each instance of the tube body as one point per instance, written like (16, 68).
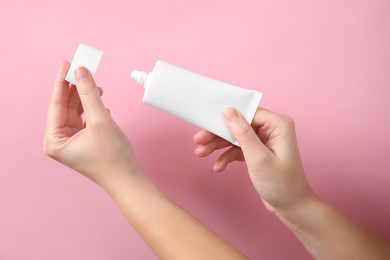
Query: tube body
(197, 99)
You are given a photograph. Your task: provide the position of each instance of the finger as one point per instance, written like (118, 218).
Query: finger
(203, 137)
(264, 116)
(230, 155)
(74, 105)
(100, 91)
(57, 114)
(89, 93)
(80, 109)
(216, 144)
(250, 143)
(271, 125)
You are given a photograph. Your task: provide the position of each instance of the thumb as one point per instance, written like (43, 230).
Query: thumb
(88, 92)
(250, 143)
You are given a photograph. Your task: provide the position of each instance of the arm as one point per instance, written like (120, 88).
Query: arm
(328, 234)
(271, 153)
(168, 230)
(99, 150)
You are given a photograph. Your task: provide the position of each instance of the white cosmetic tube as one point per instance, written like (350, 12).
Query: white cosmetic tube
(195, 98)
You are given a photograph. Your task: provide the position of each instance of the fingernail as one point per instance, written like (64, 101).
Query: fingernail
(231, 115)
(81, 73)
(199, 149)
(217, 166)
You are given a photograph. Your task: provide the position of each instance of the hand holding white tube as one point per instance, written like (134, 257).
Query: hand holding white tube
(270, 151)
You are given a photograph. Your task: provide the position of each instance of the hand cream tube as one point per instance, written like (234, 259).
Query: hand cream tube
(195, 98)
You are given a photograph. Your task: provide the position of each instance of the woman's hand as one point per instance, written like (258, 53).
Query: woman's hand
(95, 147)
(270, 150)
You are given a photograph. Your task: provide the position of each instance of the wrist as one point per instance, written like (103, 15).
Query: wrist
(299, 215)
(113, 178)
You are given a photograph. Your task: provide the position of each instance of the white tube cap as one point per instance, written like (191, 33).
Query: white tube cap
(85, 56)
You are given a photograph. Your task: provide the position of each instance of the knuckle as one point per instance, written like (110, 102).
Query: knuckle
(288, 122)
(98, 122)
(50, 148)
(243, 128)
(87, 89)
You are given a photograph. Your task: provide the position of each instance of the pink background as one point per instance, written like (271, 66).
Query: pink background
(325, 63)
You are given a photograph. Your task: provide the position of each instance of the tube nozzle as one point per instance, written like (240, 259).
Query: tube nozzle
(139, 76)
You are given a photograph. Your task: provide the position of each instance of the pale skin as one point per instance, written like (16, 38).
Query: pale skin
(97, 148)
